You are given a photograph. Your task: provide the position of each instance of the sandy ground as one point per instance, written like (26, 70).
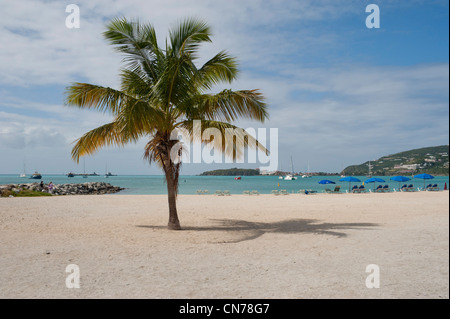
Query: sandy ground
(295, 246)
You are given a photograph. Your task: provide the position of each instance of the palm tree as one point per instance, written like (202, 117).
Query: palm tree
(163, 90)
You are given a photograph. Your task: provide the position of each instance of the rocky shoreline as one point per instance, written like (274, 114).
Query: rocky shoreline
(93, 188)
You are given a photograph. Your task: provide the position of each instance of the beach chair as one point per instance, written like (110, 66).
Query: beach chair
(275, 192)
(378, 189)
(386, 188)
(205, 191)
(355, 189)
(361, 189)
(227, 193)
(199, 192)
(404, 188)
(434, 187)
(337, 189)
(327, 190)
(254, 192)
(246, 192)
(219, 193)
(284, 192)
(411, 188)
(428, 187)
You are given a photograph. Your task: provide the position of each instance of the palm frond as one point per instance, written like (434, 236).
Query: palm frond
(138, 41)
(228, 106)
(91, 96)
(187, 37)
(136, 83)
(221, 68)
(105, 135)
(139, 118)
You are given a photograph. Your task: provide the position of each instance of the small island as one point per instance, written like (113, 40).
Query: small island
(232, 172)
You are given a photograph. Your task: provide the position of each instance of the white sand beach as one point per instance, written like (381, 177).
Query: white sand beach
(295, 246)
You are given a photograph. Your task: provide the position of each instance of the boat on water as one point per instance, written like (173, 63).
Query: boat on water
(71, 174)
(24, 174)
(307, 175)
(291, 177)
(36, 175)
(237, 178)
(109, 174)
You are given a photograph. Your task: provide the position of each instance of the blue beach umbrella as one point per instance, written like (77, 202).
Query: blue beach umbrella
(424, 176)
(326, 181)
(374, 180)
(400, 179)
(350, 179)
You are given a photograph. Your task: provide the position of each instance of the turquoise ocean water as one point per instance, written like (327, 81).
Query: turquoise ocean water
(141, 184)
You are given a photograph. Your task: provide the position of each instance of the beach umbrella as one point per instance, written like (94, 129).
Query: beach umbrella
(424, 176)
(400, 179)
(350, 179)
(374, 180)
(326, 181)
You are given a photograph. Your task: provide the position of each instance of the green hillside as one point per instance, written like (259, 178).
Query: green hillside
(431, 160)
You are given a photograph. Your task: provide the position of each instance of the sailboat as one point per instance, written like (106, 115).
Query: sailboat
(342, 172)
(84, 169)
(307, 175)
(108, 174)
(291, 177)
(24, 174)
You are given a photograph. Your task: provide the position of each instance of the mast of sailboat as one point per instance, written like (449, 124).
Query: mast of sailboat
(292, 167)
(24, 174)
(84, 168)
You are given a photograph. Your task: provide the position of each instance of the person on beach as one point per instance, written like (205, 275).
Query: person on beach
(42, 185)
(50, 187)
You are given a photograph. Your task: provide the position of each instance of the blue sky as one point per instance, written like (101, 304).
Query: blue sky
(338, 92)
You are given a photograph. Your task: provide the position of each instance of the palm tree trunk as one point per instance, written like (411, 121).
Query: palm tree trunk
(171, 172)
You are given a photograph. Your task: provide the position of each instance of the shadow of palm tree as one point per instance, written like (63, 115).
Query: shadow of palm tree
(244, 230)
